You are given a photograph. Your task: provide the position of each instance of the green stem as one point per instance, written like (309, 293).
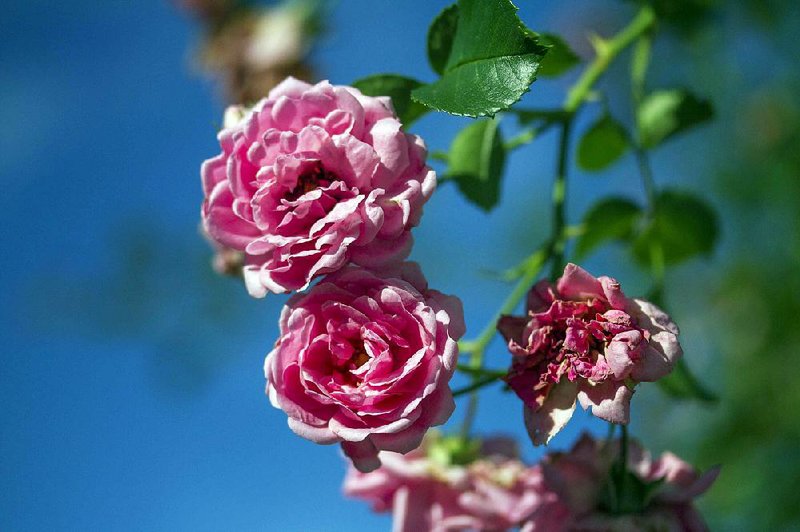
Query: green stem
(470, 388)
(477, 347)
(473, 372)
(622, 472)
(639, 65)
(533, 266)
(472, 407)
(523, 138)
(611, 430)
(559, 203)
(646, 172)
(623, 457)
(606, 53)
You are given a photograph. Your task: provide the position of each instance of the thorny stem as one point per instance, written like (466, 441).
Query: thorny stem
(639, 64)
(559, 203)
(607, 51)
(477, 347)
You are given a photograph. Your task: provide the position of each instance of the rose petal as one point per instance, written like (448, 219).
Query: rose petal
(555, 412)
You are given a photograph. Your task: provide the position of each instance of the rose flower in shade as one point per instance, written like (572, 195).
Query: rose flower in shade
(310, 179)
(587, 494)
(493, 492)
(583, 339)
(365, 360)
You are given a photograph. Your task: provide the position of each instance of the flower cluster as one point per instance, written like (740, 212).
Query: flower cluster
(320, 180)
(586, 493)
(315, 191)
(583, 339)
(496, 491)
(574, 491)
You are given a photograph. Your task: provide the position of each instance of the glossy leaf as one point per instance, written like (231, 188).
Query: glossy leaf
(682, 384)
(477, 159)
(609, 219)
(440, 38)
(682, 225)
(602, 144)
(398, 88)
(492, 62)
(666, 113)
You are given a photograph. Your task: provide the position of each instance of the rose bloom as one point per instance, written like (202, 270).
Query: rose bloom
(365, 360)
(311, 178)
(583, 339)
(494, 492)
(578, 481)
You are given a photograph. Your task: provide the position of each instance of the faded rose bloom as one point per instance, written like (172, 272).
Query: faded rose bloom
(583, 339)
(660, 498)
(495, 492)
(312, 178)
(365, 360)
(279, 37)
(254, 49)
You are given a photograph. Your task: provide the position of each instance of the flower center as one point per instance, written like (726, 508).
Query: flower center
(345, 373)
(358, 358)
(311, 179)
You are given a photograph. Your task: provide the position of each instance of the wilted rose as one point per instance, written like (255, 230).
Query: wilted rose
(583, 339)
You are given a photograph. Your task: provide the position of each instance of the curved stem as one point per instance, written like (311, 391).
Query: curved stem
(559, 203)
(606, 52)
(639, 64)
(477, 347)
(476, 384)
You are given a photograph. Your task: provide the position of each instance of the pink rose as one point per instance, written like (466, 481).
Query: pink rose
(583, 339)
(310, 179)
(494, 492)
(365, 360)
(660, 498)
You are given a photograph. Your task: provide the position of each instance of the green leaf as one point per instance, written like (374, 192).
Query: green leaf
(602, 144)
(666, 113)
(682, 384)
(477, 159)
(682, 226)
(609, 219)
(492, 62)
(398, 88)
(559, 59)
(440, 38)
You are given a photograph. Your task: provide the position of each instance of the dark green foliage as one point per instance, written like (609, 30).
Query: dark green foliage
(493, 59)
(477, 159)
(609, 219)
(682, 226)
(666, 113)
(602, 144)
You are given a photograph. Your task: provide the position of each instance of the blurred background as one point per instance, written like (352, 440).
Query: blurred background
(131, 374)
